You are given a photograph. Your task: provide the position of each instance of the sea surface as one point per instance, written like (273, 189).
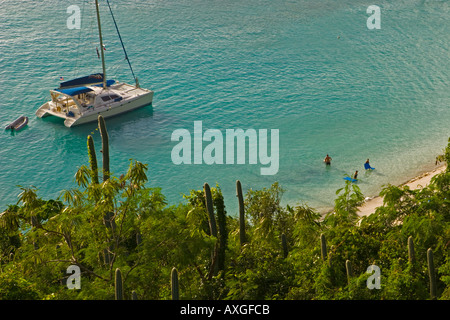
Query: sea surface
(313, 70)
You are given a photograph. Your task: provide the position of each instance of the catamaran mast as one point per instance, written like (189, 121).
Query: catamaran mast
(101, 44)
(123, 46)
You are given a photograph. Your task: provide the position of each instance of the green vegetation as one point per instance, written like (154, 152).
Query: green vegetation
(129, 243)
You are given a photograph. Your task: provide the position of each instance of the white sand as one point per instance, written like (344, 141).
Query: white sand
(418, 182)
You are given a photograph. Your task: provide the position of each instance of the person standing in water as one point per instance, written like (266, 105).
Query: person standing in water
(327, 160)
(367, 165)
(355, 176)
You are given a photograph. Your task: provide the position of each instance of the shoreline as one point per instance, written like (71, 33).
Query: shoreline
(420, 181)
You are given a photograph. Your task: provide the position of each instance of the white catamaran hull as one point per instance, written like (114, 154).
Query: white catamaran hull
(110, 112)
(75, 115)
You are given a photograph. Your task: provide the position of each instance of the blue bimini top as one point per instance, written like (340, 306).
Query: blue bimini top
(74, 91)
(79, 90)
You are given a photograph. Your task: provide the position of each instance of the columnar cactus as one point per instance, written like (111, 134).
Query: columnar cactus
(58, 251)
(212, 228)
(222, 226)
(411, 253)
(284, 245)
(105, 147)
(92, 159)
(118, 285)
(174, 284)
(431, 273)
(210, 209)
(106, 257)
(138, 238)
(323, 247)
(348, 268)
(240, 197)
(108, 221)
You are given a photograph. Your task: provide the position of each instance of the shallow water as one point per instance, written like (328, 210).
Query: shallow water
(312, 70)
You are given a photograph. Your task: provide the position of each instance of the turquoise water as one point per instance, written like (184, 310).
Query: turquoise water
(311, 69)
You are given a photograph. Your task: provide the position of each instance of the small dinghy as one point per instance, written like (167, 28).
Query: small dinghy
(18, 124)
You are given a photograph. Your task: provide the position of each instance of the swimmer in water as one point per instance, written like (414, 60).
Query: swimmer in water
(327, 160)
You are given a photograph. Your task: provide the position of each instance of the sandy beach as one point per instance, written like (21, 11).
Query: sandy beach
(420, 181)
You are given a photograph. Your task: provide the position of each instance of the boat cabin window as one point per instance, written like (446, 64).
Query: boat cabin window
(111, 97)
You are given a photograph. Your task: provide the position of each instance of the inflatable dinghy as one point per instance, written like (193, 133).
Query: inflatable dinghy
(18, 124)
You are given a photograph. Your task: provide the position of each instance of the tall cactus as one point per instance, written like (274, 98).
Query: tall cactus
(210, 210)
(212, 227)
(284, 245)
(411, 253)
(431, 274)
(118, 285)
(174, 284)
(108, 221)
(105, 147)
(349, 269)
(240, 197)
(222, 226)
(323, 247)
(92, 159)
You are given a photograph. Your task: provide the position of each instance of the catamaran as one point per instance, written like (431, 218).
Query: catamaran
(81, 100)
